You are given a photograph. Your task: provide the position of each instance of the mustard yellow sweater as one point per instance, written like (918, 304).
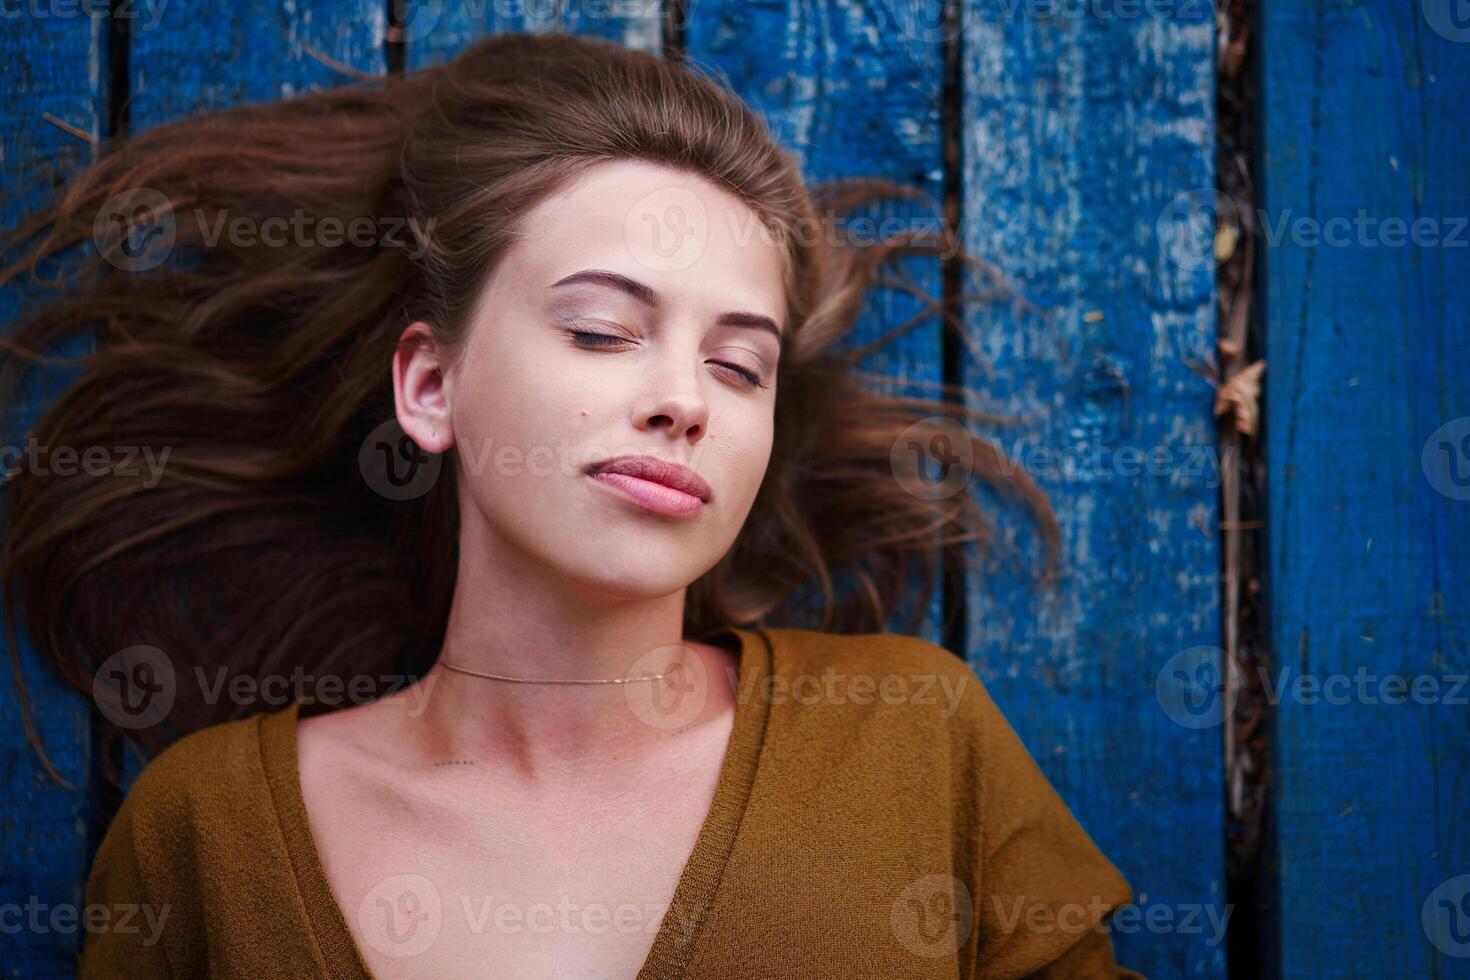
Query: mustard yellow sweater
(875, 816)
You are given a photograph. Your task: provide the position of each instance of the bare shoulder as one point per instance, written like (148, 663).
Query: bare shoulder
(331, 746)
(329, 734)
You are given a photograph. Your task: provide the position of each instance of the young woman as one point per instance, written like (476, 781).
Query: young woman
(552, 439)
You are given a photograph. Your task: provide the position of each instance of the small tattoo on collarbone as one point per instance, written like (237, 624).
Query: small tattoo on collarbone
(457, 762)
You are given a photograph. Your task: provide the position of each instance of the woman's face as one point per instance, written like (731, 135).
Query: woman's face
(627, 321)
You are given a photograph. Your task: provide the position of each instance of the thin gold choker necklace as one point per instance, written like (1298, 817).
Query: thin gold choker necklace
(552, 680)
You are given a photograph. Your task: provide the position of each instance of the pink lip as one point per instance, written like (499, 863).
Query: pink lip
(653, 483)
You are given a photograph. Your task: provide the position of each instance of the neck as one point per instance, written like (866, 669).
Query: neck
(521, 620)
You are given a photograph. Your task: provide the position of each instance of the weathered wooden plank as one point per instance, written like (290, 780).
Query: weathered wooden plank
(206, 54)
(854, 90)
(1367, 189)
(1079, 130)
(436, 30)
(52, 70)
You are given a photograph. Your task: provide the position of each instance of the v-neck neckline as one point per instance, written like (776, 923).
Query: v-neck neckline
(674, 945)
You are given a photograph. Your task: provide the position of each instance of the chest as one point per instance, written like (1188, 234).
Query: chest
(490, 883)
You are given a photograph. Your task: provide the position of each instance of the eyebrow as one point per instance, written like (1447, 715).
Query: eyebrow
(649, 297)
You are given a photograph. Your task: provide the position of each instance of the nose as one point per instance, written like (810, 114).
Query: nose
(676, 402)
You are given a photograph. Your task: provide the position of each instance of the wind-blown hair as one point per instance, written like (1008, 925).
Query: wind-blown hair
(262, 369)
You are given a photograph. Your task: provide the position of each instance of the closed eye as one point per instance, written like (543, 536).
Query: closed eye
(604, 341)
(749, 375)
(597, 339)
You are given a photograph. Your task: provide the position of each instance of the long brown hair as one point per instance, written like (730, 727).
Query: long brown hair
(261, 369)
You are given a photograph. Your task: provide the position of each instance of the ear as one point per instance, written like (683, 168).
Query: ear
(421, 389)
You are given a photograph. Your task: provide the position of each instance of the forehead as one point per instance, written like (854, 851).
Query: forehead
(688, 238)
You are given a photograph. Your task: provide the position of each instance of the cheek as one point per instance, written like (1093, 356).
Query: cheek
(745, 453)
(525, 397)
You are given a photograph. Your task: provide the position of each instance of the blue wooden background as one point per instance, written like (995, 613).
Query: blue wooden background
(1077, 130)
(1369, 411)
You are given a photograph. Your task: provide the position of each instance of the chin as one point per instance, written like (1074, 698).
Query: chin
(632, 587)
(631, 568)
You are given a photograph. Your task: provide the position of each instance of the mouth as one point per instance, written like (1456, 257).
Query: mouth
(654, 484)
